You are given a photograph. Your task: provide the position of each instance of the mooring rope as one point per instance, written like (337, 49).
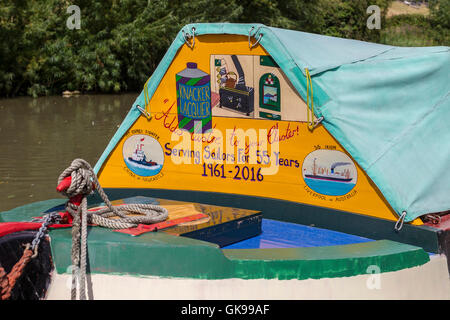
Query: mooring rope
(8, 281)
(114, 217)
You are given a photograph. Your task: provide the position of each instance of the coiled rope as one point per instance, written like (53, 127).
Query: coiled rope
(114, 217)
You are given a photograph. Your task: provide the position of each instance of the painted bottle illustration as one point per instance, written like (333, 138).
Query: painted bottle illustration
(194, 99)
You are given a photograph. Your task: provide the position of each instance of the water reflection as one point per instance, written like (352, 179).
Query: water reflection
(40, 137)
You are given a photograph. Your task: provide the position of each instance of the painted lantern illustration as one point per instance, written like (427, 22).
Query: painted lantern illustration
(143, 155)
(329, 172)
(193, 99)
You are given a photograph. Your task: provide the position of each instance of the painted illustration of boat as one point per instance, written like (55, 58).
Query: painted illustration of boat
(326, 229)
(139, 159)
(138, 162)
(343, 176)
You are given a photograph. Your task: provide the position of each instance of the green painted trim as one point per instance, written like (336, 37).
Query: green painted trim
(160, 254)
(154, 253)
(325, 262)
(288, 211)
(268, 61)
(29, 211)
(270, 116)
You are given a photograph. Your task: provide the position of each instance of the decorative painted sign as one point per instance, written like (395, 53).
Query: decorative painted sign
(253, 86)
(251, 150)
(143, 155)
(193, 98)
(269, 92)
(329, 172)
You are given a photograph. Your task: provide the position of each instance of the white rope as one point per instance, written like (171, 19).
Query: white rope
(83, 179)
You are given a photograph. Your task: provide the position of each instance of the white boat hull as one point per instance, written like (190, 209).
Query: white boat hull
(428, 282)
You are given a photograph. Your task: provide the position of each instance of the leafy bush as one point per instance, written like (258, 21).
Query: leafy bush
(120, 43)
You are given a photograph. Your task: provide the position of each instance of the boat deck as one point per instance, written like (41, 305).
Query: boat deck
(282, 251)
(278, 234)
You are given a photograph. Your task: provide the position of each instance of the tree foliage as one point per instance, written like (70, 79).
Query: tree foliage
(121, 42)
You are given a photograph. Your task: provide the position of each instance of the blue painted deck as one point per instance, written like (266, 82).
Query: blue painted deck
(277, 234)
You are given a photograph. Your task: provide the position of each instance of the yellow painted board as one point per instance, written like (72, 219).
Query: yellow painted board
(310, 166)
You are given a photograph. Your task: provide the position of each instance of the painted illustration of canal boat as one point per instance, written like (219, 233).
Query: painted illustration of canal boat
(304, 184)
(329, 172)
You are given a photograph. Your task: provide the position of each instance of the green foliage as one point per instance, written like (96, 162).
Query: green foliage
(413, 30)
(121, 42)
(440, 21)
(348, 18)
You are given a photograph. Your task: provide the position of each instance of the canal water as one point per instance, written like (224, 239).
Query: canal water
(40, 137)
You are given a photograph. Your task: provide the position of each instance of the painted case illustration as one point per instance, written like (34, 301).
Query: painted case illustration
(232, 88)
(235, 94)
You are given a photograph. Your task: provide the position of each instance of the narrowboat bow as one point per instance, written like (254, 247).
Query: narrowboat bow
(255, 164)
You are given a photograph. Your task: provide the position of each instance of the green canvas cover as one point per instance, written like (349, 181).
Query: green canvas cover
(389, 107)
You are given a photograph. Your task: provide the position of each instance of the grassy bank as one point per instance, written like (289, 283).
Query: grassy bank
(417, 26)
(399, 7)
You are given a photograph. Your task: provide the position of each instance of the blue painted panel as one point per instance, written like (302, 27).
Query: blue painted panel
(277, 234)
